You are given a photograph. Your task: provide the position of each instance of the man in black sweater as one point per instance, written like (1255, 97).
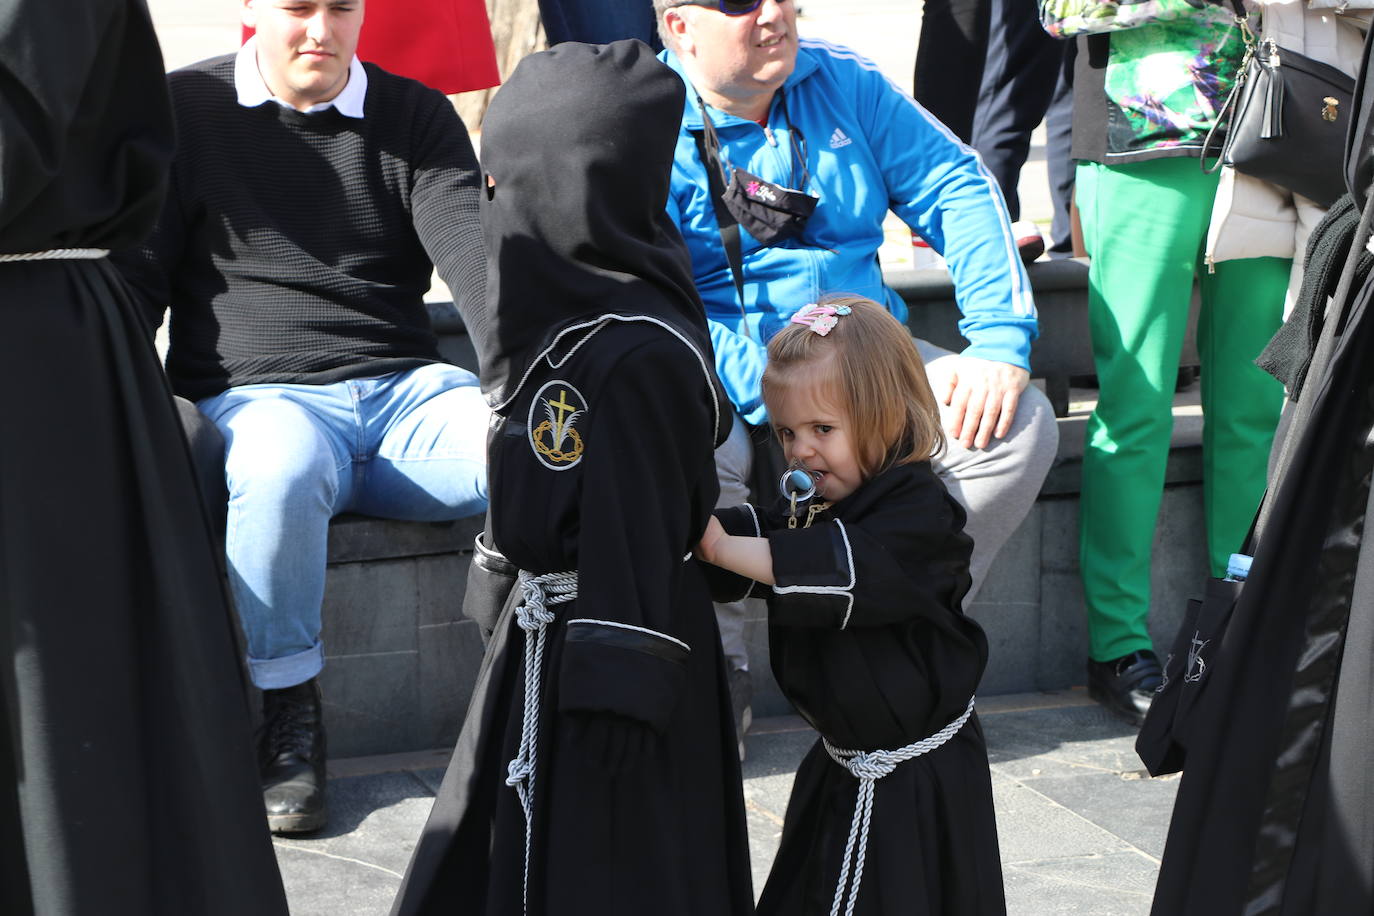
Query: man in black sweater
(311, 195)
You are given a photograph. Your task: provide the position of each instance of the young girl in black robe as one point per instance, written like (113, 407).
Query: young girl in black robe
(596, 772)
(864, 570)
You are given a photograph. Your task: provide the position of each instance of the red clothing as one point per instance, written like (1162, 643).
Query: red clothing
(445, 44)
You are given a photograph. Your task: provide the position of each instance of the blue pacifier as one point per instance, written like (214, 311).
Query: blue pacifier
(797, 485)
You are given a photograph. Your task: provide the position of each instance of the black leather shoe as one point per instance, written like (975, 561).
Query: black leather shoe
(291, 754)
(1126, 685)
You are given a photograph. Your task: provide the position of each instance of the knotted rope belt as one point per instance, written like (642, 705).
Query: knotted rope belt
(868, 767)
(58, 254)
(533, 616)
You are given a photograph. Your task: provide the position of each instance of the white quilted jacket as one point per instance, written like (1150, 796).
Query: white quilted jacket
(1252, 218)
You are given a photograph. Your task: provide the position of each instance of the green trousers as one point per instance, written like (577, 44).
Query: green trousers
(1145, 226)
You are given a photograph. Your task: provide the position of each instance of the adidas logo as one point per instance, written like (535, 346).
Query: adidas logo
(838, 140)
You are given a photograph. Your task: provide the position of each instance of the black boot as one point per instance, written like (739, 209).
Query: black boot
(1126, 685)
(291, 755)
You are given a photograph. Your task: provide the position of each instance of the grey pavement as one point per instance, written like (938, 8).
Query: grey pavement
(1081, 826)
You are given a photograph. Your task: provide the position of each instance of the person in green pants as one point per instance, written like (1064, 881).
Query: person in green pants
(1145, 206)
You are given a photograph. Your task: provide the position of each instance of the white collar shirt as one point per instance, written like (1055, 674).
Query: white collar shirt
(252, 88)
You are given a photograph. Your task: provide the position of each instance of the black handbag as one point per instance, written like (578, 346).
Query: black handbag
(1163, 741)
(1290, 115)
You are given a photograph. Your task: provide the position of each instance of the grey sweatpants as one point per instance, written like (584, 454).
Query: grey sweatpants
(996, 486)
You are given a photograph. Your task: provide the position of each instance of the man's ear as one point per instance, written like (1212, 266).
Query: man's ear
(248, 14)
(675, 23)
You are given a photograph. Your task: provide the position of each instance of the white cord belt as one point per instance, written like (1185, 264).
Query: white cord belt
(58, 254)
(868, 767)
(533, 616)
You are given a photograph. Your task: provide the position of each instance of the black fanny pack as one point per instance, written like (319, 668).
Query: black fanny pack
(767, 211)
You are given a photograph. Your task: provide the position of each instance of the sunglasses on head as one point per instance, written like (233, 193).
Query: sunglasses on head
(728, 7)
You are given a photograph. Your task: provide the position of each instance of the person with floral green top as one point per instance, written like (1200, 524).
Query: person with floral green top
(1144, 100)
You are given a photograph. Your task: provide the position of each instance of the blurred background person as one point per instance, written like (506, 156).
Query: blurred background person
(1145, 99)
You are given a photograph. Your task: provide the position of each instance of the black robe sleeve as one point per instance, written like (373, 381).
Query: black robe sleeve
(724, 584)
(906, 559)
(648, 485)
(150, 267)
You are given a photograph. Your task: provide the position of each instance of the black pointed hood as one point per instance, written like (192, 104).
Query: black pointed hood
(579, 142)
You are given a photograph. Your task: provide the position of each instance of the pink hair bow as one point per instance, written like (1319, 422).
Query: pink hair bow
(820, 318)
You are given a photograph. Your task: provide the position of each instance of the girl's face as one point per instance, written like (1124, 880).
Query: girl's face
(816, 434)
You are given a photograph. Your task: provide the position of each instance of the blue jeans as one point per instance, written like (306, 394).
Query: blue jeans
(409, 445)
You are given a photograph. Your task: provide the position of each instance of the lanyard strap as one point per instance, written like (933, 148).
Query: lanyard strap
(708, 148)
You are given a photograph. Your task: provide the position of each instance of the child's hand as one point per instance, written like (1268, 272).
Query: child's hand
(706, 547)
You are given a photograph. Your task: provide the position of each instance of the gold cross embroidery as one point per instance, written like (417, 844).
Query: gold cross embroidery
(563, 408)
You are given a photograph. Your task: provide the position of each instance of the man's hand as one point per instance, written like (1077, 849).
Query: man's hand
(978, 397)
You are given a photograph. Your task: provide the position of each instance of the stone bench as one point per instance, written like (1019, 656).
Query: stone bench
(402, 659)
(1063, 350)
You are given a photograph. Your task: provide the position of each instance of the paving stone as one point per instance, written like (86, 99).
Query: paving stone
(765, 833)
(768, 795)
(1079, 833)
(355, 864)
(1083, 736)
(431, 778)
(1032, 826)
(1137, 812)
(1111, 884)
(776, 746)
(319, 883)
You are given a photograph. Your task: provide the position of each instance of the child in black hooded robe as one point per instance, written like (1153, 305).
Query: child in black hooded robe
(597, 770)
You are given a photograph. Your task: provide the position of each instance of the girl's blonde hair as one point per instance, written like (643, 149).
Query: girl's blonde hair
(877, 378)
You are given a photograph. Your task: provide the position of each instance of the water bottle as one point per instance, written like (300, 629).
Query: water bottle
(1238, 569)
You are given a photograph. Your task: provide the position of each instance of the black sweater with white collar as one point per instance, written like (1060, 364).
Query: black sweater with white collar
(296, 248)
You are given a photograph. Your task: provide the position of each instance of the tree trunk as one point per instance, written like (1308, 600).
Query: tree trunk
(517, 31)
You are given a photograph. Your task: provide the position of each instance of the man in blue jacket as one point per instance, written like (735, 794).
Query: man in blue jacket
(812, 117)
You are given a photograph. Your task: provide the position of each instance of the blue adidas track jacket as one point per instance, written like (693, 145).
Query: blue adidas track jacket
(870, 148)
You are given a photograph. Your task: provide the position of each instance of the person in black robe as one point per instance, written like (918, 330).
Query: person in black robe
(127, 782)
(1267, 704)
(596, 770)
(891, 810)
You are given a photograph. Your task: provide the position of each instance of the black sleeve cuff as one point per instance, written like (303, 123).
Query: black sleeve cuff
(725, 585)
(813, 576)
(619, 668)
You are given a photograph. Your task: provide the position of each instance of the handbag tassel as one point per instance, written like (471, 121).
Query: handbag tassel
(1272, 124)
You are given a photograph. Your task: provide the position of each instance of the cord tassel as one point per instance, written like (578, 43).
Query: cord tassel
(533, 616)
(868, 767)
